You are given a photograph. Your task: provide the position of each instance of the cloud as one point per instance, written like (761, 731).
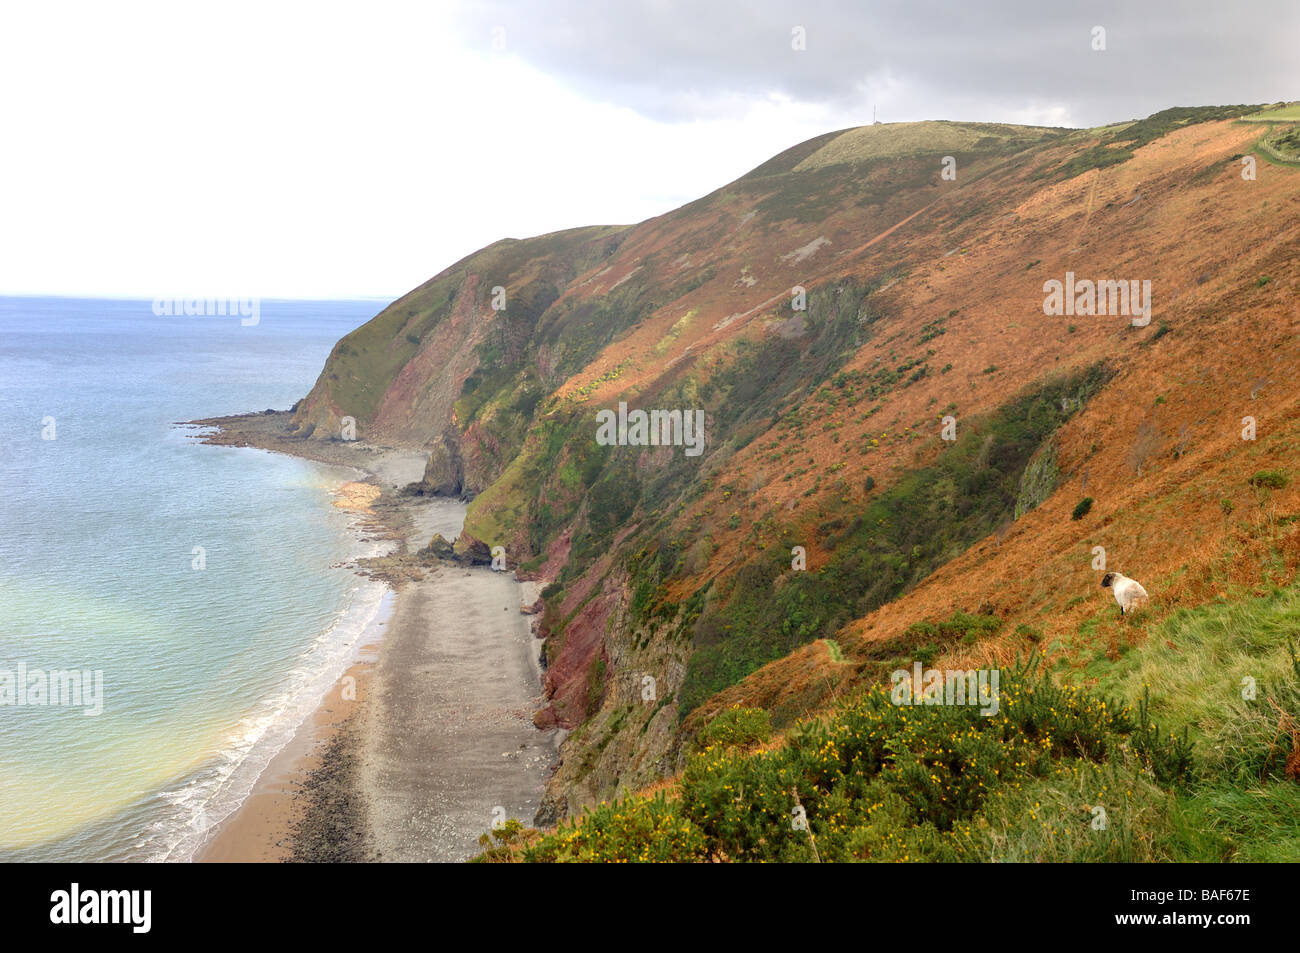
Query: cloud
(304, 148)
(680, 61)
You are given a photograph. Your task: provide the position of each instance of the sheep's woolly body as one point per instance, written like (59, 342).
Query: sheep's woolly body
(1128, 592)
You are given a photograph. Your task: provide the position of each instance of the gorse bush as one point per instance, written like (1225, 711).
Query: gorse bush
(1081, 508)
(505, 844)
(634, 830)
(1032, 633)
(736, 727)
(878, 781)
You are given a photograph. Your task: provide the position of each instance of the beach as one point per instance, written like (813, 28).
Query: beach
(428, 740)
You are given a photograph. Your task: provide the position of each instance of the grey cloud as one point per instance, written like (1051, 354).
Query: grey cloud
(679, 61)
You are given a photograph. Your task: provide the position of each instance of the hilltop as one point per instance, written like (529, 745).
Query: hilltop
(837, 314)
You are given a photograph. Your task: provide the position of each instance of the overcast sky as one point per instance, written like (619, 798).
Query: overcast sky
(323, 149)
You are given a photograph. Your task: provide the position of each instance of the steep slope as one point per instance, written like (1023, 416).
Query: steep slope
(401, 376)
(826, 312)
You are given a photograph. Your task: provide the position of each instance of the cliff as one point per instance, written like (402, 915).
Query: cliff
(861, 321)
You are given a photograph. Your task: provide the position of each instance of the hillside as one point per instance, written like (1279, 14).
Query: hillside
(673, 589)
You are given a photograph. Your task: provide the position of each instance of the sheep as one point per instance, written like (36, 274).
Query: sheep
(1128, 592)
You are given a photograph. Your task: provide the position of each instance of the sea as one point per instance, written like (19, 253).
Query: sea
(200, 595)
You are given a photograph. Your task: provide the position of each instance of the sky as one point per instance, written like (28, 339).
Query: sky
(320, 150)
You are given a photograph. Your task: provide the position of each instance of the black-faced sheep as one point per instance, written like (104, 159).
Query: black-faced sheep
(1128, 592)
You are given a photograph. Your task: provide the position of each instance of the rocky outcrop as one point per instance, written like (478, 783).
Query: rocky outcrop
(440, 548)
(1039, 479)
(472, 550)
(444, 474)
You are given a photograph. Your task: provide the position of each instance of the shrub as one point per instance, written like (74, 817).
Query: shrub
(1168, 757)
(1274, 479)
(1029, 632)
(634, 830)
(736, 727)
(963, 626)
(505, 845)
(1081, 508)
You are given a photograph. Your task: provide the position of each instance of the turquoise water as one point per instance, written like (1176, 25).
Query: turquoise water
(206, 671)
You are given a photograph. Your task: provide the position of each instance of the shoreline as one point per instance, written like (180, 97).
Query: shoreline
(444, 688)
(261, 830)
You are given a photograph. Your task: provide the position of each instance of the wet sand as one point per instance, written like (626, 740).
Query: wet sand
(438, 743)
(262, 829)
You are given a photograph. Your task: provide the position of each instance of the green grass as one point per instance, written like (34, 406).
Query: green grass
(928, 138)
(1249, 824)
(1288, 112)
(364, 363)
(1194, 664)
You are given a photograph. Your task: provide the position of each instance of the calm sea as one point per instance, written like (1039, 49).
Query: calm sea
(202, 582)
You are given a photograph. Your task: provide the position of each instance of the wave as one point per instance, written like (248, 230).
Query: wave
(186, 814)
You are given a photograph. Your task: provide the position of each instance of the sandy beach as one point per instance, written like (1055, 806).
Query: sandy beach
(428, 739)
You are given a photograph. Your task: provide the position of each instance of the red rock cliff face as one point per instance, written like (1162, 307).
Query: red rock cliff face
(574, 679)
(580, 663)
(417, 407)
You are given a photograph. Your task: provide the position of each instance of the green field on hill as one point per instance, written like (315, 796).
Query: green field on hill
(1287, 112)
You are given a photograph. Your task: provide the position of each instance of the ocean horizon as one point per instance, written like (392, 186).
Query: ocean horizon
(203, 588)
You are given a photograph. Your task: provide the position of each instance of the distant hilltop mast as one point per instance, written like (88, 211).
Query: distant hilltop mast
(874, 120)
